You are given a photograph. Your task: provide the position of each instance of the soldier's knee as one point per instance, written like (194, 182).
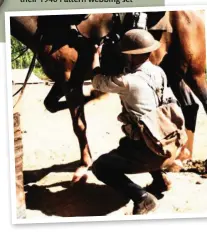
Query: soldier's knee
(49, 105)
(98, 168)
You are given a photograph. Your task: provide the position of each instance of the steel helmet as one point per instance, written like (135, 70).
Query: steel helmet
(138, 41)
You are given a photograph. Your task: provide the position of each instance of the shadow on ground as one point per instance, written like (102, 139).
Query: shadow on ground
(33, 176)
(77, 200)
(67, 200)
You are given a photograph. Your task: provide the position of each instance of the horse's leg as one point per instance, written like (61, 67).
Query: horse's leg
(59, 67)
(191, 35)
(189, 107)
(197, 82)
(79, 126)
(190, 111)
(182, 92)
(190, 30)
(52, 102)
(185, 60)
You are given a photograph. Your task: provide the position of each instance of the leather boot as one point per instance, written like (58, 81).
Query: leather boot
(148, 204)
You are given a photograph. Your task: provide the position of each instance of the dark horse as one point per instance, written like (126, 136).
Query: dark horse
(65, 45)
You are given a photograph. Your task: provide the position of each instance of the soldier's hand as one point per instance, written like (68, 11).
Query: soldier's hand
(98, 49)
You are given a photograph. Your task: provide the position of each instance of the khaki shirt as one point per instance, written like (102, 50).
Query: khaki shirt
(136, 89)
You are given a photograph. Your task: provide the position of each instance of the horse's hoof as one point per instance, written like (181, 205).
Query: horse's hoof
(80, 175)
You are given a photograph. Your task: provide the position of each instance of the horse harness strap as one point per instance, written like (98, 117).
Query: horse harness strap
(112, 37)
(139, 20)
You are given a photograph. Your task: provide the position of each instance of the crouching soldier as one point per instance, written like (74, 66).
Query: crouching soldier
(139, 90)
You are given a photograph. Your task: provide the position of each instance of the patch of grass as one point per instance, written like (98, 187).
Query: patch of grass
(39, 73)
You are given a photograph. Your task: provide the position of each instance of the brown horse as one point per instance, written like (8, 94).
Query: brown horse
(66, 51)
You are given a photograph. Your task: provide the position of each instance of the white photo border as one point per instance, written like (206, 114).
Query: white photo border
(10, 114)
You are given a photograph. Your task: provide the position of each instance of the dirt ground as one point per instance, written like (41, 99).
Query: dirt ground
(51, 154)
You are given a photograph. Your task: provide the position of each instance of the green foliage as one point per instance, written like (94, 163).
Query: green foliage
(24, 60)
(16, 49)
(39, 73)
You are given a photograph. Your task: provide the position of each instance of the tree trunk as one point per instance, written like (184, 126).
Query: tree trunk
(18, 149)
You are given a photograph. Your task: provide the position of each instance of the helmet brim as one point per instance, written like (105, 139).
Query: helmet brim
(152, 48)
